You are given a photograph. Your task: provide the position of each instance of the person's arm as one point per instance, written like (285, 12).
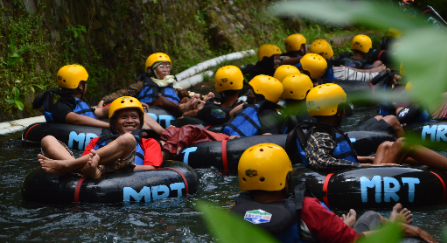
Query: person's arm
(76, 119)
(236, 110)
(319, 153)
(291, 61)
(102, 111)
(133, 90)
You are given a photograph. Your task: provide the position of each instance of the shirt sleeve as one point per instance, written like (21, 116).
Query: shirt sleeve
(133, 90)
(90, 146)
(320, 147)
(330, 230)
(60, 110)
(152, 152)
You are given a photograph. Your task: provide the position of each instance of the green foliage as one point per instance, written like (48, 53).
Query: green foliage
(12, 98)
(389, 233)
(230, 228)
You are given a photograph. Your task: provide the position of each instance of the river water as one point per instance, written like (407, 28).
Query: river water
(169, 220)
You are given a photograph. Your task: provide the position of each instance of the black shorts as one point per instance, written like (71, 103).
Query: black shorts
(375, 125)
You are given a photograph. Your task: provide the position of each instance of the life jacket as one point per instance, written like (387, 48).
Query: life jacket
(46, 100)
(282, 219)
(244, 124)
(107, 137)
(151, 91)
(296, 142)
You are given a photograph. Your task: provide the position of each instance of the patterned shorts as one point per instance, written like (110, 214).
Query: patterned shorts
(122, 165)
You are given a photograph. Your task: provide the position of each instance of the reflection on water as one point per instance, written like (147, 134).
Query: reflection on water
(171, 220)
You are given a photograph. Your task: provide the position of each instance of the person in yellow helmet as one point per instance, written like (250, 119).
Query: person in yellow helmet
(71, 108)
(294, 214)
(268, 61)
(119, 148)
(295, 45)
(296, 87)
(229, 82)
(260, 115)
(328, 148)
(156, 86)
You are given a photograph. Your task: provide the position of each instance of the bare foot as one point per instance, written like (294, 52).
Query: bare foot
(91, 169)
(399, 214)
(349, 218)
(55, 167)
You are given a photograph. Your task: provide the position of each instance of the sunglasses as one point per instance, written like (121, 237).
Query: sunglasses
(165, 66)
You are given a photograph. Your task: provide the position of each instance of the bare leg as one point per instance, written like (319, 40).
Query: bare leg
(118, 149)
(428, 157)
(390, 152)
(149, 122)
(53, 149)
(400, 214)
(392, 120)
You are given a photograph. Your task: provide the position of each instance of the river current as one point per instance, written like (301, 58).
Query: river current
(168, 220)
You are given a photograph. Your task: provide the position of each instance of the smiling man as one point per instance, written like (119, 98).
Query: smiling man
(119, 148)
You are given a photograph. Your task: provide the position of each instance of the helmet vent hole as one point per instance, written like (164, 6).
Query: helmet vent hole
(291, 92)
(243, 178)
(122, 101)
(231, 83)
(64, 81)
(262, 150)
(220, 84)
(251, 150)
(131, 101)
(270, 146)
(262, 179)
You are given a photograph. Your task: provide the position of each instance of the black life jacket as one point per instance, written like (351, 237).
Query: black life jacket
(282, 219)
(296, 142)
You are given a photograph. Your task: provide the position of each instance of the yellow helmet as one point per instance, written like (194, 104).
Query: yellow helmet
(228, 78)
(402, 70)
(126, 102)
(314, 64)
(264, 167)
(322, 47)
(296, 86)
(294, 42)
(395, 33)
(361, 43)
(268, 50)
(70, 76)
(324, 99)
(157, 57)
(408, 87)
(284, 71)
(267, 86)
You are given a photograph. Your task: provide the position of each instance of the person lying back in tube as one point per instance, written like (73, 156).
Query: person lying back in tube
(119, 148)
(71, 108)
(294, 214)
(328, 148)
(157, 86)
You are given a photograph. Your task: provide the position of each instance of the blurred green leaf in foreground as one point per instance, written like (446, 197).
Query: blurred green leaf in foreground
(229, 228)
(422, 49)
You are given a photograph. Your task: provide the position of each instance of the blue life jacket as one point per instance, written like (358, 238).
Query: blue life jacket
(329, 74)
(46, 99)
(83, 108)
(107, 137)
(151, 91)
(296, 142)
(244, 124)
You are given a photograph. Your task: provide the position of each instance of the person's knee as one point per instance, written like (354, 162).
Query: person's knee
(401, 142)
(47, 140)
(127, 140)
(386, 144)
